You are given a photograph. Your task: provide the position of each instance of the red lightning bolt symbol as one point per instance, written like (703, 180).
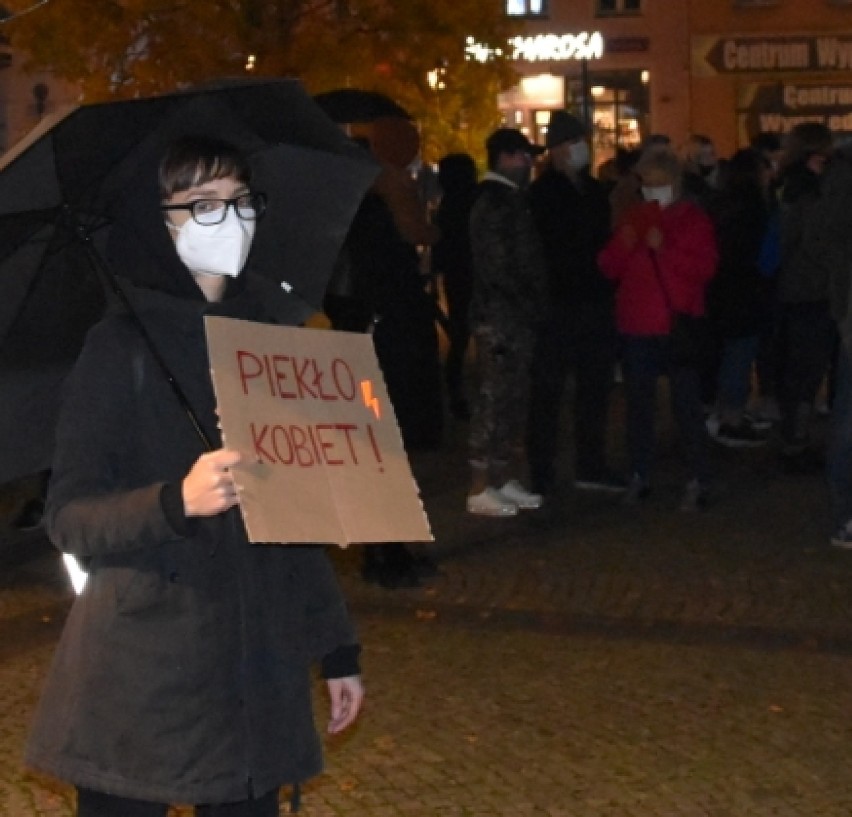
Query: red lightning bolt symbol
(370, 401)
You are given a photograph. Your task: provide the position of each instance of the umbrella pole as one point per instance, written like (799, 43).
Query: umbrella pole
(106, 274)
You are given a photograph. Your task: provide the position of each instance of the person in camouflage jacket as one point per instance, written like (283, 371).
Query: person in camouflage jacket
(509, 292)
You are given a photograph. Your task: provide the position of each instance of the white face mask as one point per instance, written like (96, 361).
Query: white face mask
(579, 156)
(218, 249)
(663, 195)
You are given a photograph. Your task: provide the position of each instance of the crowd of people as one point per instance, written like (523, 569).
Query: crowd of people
(184, 671)
(729, 277)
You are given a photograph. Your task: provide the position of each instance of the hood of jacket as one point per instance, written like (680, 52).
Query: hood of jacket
(142, 254)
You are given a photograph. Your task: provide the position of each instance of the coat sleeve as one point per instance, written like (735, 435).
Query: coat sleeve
(614, 258)
(331, 634)
(688, 258)
(93, 508)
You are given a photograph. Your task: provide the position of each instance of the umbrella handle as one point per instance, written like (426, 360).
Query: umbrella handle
(106, 274)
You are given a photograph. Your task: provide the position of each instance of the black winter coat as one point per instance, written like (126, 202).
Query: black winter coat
(737, 294)
(574, 223)
(183, 672)
(803, 278)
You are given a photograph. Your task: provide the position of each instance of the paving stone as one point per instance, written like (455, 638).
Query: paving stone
(587, 661)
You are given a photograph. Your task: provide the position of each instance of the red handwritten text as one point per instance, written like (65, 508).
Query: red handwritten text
(311, 445)
(293, 378)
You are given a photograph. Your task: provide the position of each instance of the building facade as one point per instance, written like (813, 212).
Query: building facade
(769, 65)
(722, 68)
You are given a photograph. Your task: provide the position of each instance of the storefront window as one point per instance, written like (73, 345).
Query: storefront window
(526, 8)
(608, 7)
(618, 105)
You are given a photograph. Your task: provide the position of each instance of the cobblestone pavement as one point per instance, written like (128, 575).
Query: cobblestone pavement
(582, 660)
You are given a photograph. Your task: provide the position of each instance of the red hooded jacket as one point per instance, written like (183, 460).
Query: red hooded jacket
(685, 261)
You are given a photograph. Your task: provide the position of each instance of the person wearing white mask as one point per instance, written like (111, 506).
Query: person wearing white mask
(662, 256)
(213, 235)
(183, 674)
(577, 334)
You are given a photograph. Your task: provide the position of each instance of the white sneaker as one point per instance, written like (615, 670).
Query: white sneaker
(523, 498)
(491, 502)
(694, 497)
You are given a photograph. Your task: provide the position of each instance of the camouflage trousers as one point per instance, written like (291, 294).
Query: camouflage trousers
(498, 421)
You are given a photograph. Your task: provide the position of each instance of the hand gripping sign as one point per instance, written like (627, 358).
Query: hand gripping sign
(323, 459)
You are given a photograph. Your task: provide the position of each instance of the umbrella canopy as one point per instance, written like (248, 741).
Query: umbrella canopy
(68, 180)
(387, 127)
(355, 105)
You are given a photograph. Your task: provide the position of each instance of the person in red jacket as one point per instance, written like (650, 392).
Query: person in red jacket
(661, 256)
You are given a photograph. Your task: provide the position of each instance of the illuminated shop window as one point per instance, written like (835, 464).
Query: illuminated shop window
(526, 8)
(619, 7)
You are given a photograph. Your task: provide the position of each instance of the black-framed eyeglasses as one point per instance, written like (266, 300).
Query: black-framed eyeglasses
(209, 212)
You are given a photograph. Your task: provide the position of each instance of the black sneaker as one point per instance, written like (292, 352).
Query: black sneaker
(694, 497)
(606, 482)
(842, 537)
(424, 567)
(460, 409)
(395, 578)
(758, 421)
(801, 463)
(637, 490)
(30, 516)
(742, 435)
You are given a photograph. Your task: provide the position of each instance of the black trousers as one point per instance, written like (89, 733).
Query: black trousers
(808, 336)
(586, 346)
(96, 804)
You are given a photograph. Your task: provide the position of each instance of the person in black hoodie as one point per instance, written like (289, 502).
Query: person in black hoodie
(183, 674)
(378, 287)
(806, 330)
(451, 259)
(736, 300)
(571, 211)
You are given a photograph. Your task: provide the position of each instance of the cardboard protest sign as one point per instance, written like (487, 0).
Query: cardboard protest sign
(323, 456)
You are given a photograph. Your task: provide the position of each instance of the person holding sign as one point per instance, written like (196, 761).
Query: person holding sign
(183, 672)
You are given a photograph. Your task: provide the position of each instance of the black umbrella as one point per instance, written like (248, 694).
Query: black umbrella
(357, 105)
(60, 187)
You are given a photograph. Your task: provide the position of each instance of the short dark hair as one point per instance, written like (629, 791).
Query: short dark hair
(456, 171)
(766, 142)
(194, 160)
(743, 170)
(509, 141)
(805, 140)
(663, 161)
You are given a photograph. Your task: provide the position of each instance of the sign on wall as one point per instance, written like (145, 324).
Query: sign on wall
(777, 107)
(741, 54)
(582, 45)
(323, 459)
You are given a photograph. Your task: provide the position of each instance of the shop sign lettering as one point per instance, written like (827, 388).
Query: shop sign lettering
(541, 48)
(749, 54)
(777, 107)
